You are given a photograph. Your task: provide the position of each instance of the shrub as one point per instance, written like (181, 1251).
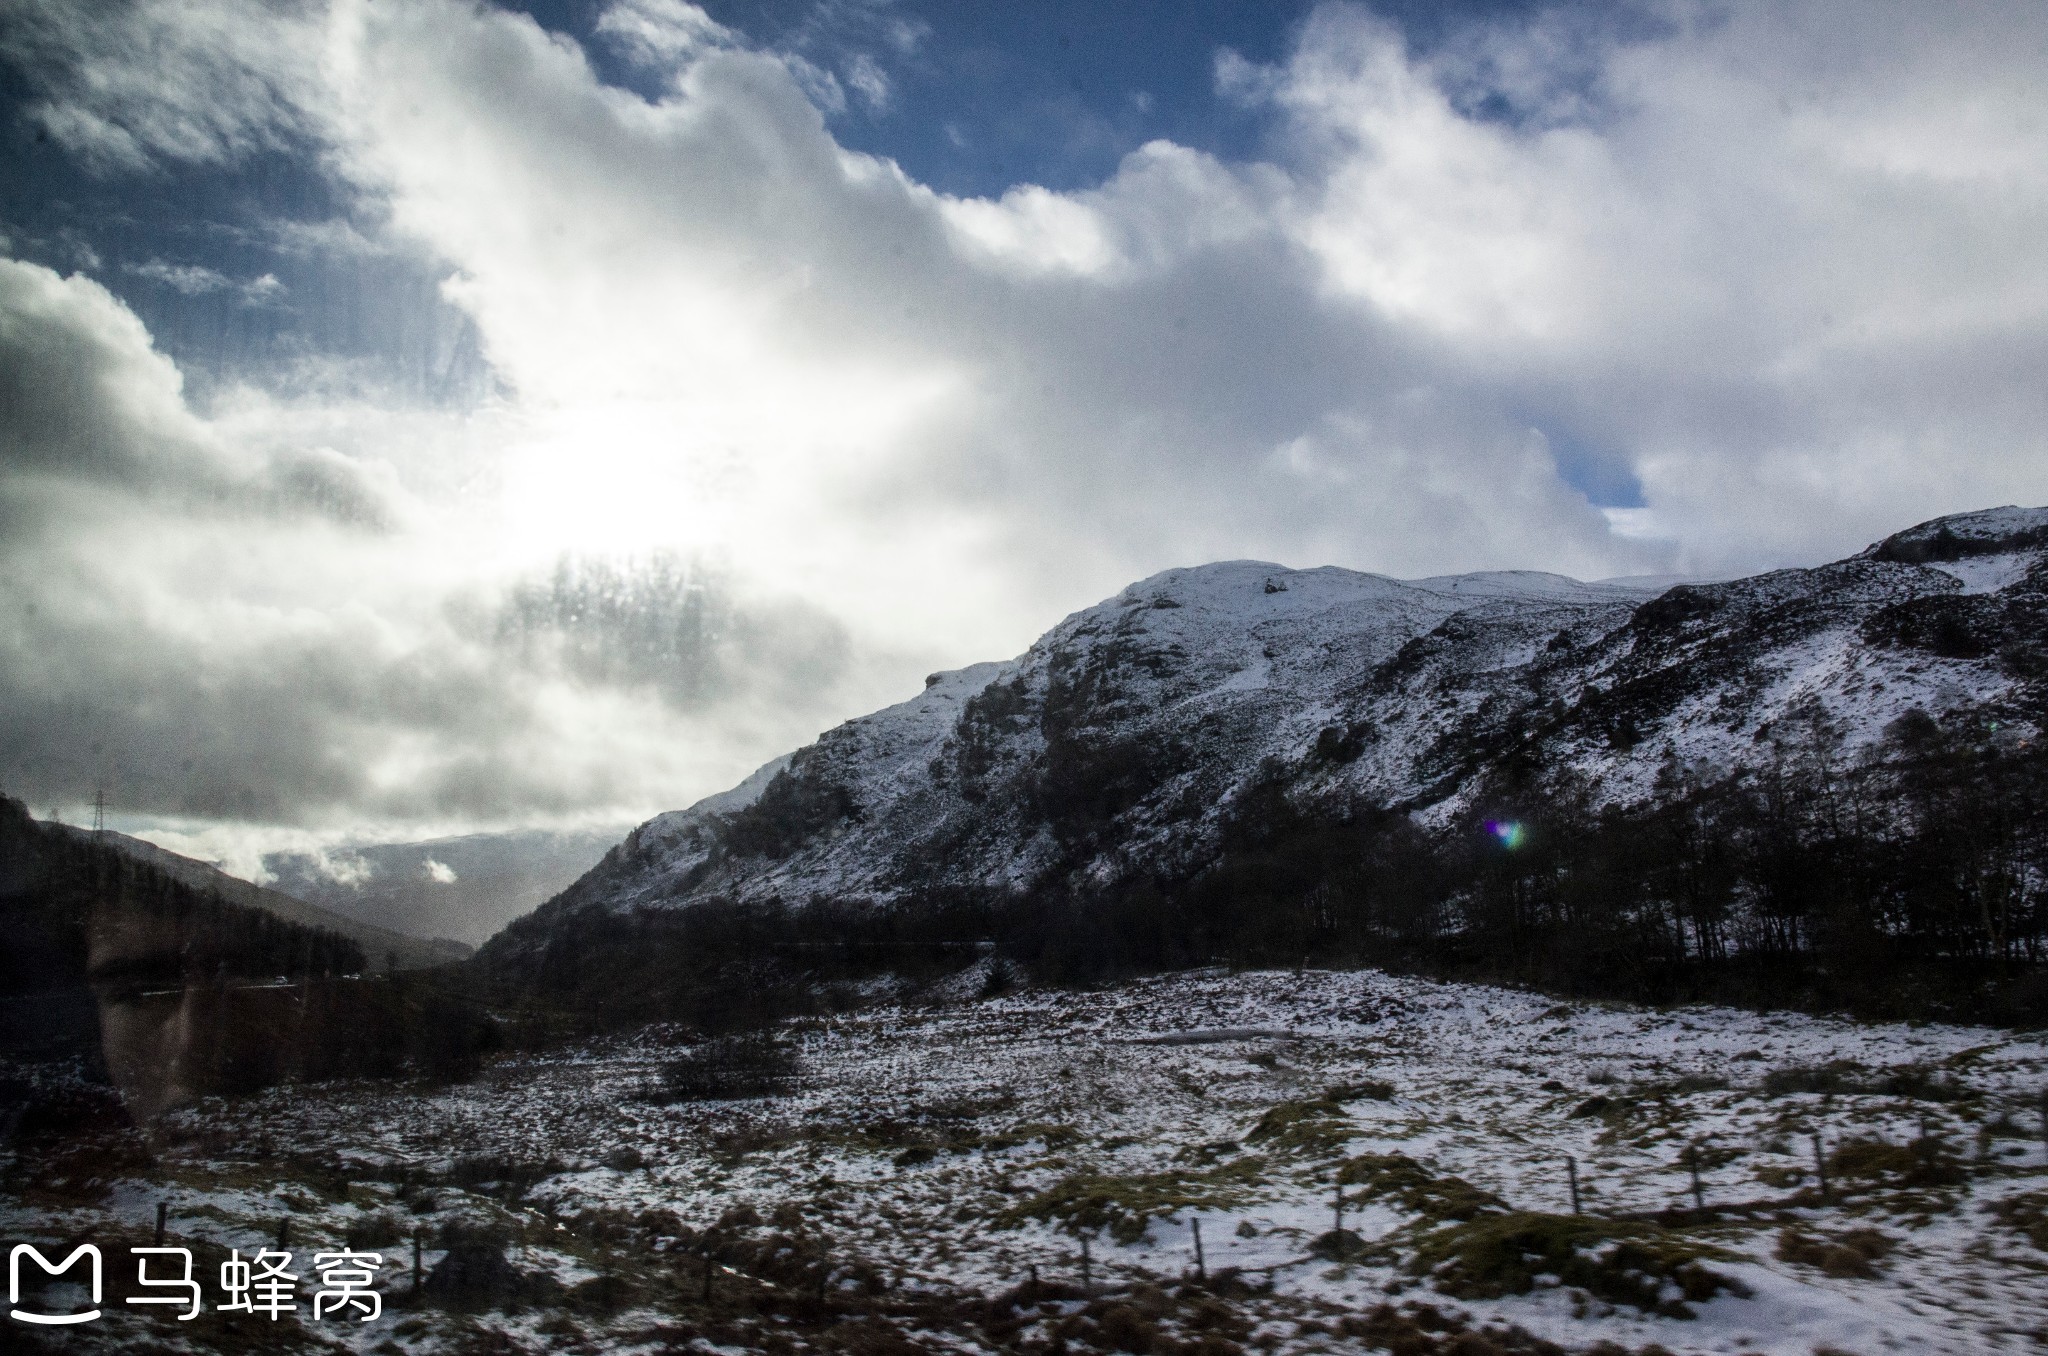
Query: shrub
(1922, 1084)
(731, 1067)
(1925, 1162)
(1840, 1076)
(1914, 1081)
(473, 1273)
(380, 1230)
(1369, 1089)
(2026, 1214)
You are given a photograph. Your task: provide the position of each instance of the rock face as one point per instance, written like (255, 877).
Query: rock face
(1119, 742)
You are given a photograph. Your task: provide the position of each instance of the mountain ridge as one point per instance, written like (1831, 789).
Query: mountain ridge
(1118, 743)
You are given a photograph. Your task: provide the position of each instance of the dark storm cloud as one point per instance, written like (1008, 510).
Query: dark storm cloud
(86, 401)
(170, 724)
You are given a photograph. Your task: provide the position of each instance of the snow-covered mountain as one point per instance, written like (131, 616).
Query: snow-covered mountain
(1120, 742)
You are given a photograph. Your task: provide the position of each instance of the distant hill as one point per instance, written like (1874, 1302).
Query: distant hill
(89, 927)
(156, 979)
(466, 887)
(384, 948)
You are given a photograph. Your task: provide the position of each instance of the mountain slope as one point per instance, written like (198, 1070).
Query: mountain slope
(384, 948)
(1120, 745)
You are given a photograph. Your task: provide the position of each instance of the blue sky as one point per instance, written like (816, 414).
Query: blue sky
(377, 375)
(1053, 94)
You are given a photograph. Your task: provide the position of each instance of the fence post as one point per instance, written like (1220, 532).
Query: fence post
(1820, 1168)
(416, 1266)
(1201, 1268)
(163, 1210)
(1571, 1168)
(1087, 1285)
(1692, 1161)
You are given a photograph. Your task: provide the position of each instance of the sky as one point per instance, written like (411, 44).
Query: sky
(431, 416)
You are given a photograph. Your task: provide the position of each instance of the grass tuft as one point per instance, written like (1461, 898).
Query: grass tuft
(1087, 1202)
(1410, 1186)
(1851, 1255)
(1623, 1262)
(1317, 1127)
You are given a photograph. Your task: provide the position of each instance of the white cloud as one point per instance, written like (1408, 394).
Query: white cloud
(196, 280)
(868, 80)
(663, 32)
(258, 615)
(125, 83)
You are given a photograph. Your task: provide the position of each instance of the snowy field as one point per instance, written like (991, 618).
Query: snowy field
(928, 1182)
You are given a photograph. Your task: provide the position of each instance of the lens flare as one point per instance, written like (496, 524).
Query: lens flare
(1509, 831)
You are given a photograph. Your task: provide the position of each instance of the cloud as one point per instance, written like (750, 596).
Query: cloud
(224, 618)
(1080, 385)
(128, 83)
(669, 625)
(79, 381)
(89, 402)
(664, 33)
(334, 237)
(196, 280)
(782, 429)
(869, 81)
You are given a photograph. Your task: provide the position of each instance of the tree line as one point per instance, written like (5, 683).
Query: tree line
(1907, 880)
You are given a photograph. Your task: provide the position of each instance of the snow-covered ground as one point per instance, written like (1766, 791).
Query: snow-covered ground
(932, 1157)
